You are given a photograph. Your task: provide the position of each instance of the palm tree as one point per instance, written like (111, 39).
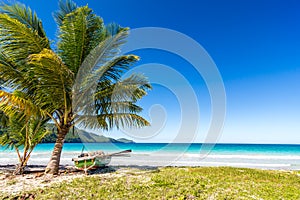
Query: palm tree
(57, 79)
(22, 133)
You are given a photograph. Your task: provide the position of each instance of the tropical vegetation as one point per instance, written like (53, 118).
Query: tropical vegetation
(22, 133)
(77, 80)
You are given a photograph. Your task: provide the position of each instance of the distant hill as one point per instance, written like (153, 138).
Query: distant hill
(84, 137)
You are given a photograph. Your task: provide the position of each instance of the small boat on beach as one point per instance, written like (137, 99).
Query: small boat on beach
(96, 159)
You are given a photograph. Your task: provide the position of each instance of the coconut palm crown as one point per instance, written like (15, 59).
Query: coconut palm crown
(53, 80)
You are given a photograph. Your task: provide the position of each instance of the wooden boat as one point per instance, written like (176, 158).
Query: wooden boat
(94, 160)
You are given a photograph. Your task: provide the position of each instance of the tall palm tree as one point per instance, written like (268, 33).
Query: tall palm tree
(57, 79)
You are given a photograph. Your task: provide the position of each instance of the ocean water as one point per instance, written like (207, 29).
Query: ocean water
(265, 156)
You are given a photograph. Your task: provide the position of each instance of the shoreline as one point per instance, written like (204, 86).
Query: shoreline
(259, 156)
(184, 160)
(270, 156)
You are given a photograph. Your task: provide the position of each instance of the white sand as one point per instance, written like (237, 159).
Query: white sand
(35, 178)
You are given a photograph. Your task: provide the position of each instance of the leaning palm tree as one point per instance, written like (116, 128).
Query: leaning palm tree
(76, 81)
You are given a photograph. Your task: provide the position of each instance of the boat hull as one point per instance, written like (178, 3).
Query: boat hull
(94, 160)
(92, 163)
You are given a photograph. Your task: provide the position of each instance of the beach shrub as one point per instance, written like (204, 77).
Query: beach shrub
(22, 133)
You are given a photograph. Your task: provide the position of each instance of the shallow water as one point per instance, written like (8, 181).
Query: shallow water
(160, 154)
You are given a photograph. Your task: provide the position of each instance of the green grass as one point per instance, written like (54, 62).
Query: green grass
(180, 183)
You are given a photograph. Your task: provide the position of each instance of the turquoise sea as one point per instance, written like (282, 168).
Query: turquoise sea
(270, 156)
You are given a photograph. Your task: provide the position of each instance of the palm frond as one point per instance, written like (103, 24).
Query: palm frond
(114, 104)
(103, 53)
(9, 73)
(101, 62)
(37, 130)
(113, 29)
(3, 120)
(77, 36)
(132, 88)
(26, 16)
(12, 103)
(18, 41)
(26, 132)
(114, 69)
(65, 7)
(106, 75)
(6, 140)
(109, 121)
(55, 80)
(117, 107)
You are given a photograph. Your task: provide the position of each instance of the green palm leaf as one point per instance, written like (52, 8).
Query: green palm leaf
(52, 77)
(17, 40)
(12, 103)
(26, 16)
(80, 32)
(3, 120)
(114, 104)
(107, 74)
(109, 121)
(65, 7)
(9, 73)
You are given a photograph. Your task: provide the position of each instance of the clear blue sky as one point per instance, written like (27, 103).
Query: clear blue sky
(254, 43)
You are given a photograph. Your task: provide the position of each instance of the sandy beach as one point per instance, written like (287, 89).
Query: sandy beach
(34, 176)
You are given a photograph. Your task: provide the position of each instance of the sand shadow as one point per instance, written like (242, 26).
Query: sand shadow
(115, 168)
(69, 169)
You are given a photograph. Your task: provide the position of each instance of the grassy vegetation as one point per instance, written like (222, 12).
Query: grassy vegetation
(180, 183)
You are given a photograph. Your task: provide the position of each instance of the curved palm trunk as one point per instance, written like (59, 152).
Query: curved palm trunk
(53, 165)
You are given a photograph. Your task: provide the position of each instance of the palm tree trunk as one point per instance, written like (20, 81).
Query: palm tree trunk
(53, 165)
(20, 167)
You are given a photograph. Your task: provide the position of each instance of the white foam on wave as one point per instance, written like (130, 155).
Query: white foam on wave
(219, 156)
(256, 157)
